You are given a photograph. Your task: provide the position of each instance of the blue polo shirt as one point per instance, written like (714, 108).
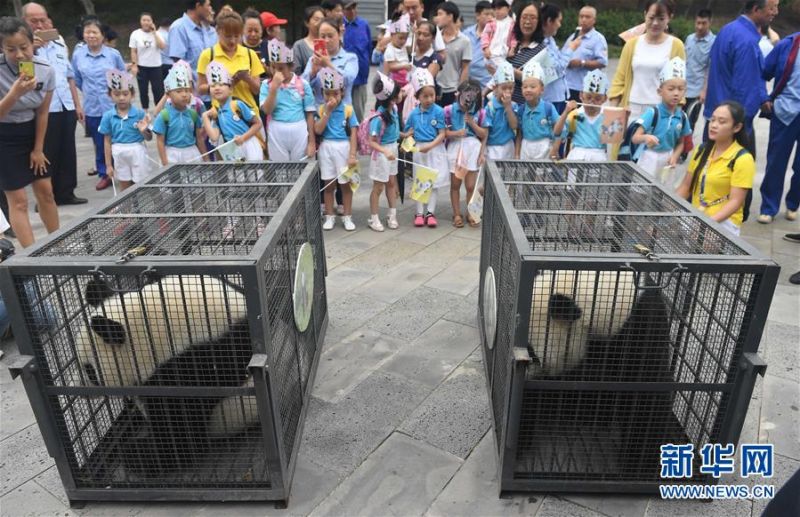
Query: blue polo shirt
(57, 54)
(290, 106)
(587, 132)
(593, 47)
(499, 131)
(458, 120)
(181, 130)
(698, 59)
(477, 67)
(90, 76)
(122, 130)
(427, 124)
(392, 132)
(670, 129)
(346, 63)
(557, 91)
(537, 122)
(187, 40)
(234, 123)
(787, 104)
(337, 125)
(358, 40)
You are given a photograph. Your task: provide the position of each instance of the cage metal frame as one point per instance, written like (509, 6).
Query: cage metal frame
(509, 369)
(280, 463)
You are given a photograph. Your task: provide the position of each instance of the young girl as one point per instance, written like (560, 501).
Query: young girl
(384, 131)
(501, 115)
(124, 130)
(721, 171)
(536, 118)
(178, 129)
(233, 120)
(426, 124)
(466, 134)
(337, 126)
(288, 102)
(584, 125)
(395, 59)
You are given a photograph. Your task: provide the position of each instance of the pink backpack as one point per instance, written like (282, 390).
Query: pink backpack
(363, 136)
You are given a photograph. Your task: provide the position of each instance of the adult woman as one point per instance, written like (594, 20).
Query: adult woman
(556, 91)
(242, 63)
(90, 63)
(722, 170)
(424, 56)
(335, 56)
(24, 110)
(303, 49)
(254, 33)
(530, 42)
(635, 83)
(146, 45)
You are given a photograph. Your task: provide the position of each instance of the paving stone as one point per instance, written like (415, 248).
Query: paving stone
(385, 256)
(445, 252)
(402, 477)
(51, 481)
(782, 352)
(459, 278)
(456, 415)
(780, 416)
(425, 236)
(414, 313)
(391, 286)
(466, 310)
(557, 507)
(611, 505)
(343, 279)
(717, 508)
(347, 312)
(24, 457)
(435, 354)
(31, 499)
(785, 306)
(784, 469)
(14, 405)
(474, 490)
(782, 246)
(339, 436)
(345, 364)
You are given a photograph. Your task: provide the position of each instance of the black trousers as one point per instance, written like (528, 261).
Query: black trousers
(574, 95)
(59, 147)
(447, 99)
(164, 71)
(154, 76)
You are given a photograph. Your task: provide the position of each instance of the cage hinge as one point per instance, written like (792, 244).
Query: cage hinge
(645, 252)
(132, 253)
(259, 361)
(20, 365)
(751, 361)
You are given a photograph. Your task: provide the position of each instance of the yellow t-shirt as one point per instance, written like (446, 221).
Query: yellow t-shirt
(719, 179)
(240, 61)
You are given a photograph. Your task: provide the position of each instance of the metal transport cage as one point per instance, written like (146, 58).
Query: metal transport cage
(614, 319)
(169, 340)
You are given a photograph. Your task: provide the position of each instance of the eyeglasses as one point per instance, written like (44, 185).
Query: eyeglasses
(529, 18)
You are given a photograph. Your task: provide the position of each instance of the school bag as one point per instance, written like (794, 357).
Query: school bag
(348, 112)
(192, 113)
(237, 111)
(630, 152)
(448, 115)
(705, 151)
(363, 136)
(572, 126)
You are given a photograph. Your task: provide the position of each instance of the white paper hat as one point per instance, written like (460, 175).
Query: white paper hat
(595, 82)
(532, 70)
(674, 69)
(331, 79)
(217, 73)
(504, 73)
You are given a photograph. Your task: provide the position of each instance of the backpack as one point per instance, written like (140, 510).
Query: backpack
(628, 151)
(448, 115)
(705, 151)
(348, 112)
(192, 113)
(363, 136)
(237, 111)
(572, 126)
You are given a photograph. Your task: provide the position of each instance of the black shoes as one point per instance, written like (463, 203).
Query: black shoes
(74, 200)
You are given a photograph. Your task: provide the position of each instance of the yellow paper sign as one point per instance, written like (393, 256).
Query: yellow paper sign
(352, 176)
(615, 121)
(424, 179)
(409, 145)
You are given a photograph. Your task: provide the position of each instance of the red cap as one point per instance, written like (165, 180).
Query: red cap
(268, 20)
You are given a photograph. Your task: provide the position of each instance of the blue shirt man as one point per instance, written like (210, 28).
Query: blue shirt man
(477, 67)
(189, 35)
(698, 60)
(787, 103)
(590, 52)
(358, 41)
(57, 54)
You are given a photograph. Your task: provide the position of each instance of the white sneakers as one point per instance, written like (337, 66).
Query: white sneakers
(347, 221)
(328, 222)
(392, 222)
(375, 223)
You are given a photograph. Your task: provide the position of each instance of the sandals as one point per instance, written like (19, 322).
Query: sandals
(458, 221)
(472, 222)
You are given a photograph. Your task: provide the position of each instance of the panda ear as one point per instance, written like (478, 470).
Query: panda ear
(563, 308)
(112, 332)
(97, 291)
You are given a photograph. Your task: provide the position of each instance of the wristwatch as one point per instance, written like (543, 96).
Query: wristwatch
(583, 63)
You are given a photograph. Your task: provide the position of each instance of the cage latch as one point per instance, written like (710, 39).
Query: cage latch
(258, 361)
(149, 273)
(645, 252)
(655, 287)
(21, 364)
(132, 253)
(751, 361)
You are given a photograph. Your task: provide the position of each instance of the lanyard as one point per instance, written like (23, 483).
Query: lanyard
(702, 192)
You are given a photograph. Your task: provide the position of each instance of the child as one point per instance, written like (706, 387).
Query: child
(384, 131)
(426, 124)
(395, 60)
(501, 115)
(179, 132)
(536, 118)
(233, 120)
(663, 134)
(584, 125)
(498, 34)
(466, 134)
(288, 102)
(337, 126)
(124, 130)
(196, 102)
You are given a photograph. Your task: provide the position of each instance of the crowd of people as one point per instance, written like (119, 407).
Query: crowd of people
(448, 98)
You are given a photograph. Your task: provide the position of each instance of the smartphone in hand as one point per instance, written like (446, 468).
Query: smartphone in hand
(320, 47)
(26, 68)
(47, 35)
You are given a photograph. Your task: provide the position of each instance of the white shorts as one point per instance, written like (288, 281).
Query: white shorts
(730, 227)
(653, 161)
(252, 151)
(332, 157)
(535, 149)
(288, 141)
(500, 152)
(435, 159)
(380, 168)
(183, 154)
(130, 162)
(583, 154)
(470, 148)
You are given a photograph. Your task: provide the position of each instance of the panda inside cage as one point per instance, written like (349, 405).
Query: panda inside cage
(613, 356)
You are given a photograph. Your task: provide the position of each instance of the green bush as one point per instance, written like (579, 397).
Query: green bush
(612, 22)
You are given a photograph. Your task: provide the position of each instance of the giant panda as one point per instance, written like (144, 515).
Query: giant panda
(184, 331)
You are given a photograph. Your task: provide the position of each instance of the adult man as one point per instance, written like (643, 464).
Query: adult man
(459, 53)
(191, 34)
(737, 64)
(477, 67)
(589, 51)
(698, 58)
(333, 9)
(65, 109)
(358, 40)
(414, 10)
(784, 129)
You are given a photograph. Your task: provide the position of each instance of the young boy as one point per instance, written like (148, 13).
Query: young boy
(498, 35)
(584, 125)
(124, 128)
(536, 118)
(501, 115)
(178, 128)
(662, 127)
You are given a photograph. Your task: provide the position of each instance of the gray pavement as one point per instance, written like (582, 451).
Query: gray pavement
(399, 420)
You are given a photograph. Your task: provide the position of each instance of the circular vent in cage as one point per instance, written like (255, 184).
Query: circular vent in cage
(303, 293)
(489, 307)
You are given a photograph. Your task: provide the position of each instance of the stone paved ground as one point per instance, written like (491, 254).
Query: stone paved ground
(399, 421)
